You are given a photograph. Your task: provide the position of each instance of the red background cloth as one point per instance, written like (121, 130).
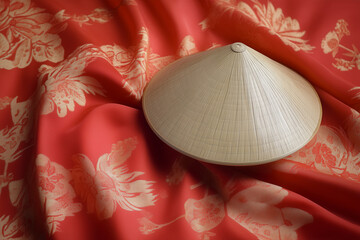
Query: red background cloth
(78, 161)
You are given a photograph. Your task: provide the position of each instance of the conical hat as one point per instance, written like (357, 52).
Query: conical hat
(233, 106)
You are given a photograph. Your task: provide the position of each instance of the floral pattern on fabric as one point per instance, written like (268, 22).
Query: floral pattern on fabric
(177, 172)
(55, 191)
(65, 84)
(98, 15)
(12, 137)
(202, 215)
(352, 128)
(267, 16)
(26, 33)
(58, 63)
(252, 207)
(330, 152)
(187, 46)
(137, 64)
(11, 229)
(4, 102)
(331, 44)
(111, 184)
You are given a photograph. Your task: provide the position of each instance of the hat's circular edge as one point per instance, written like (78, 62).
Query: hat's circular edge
(248, 163)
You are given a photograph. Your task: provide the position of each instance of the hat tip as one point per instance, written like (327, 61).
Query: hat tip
(238, 47)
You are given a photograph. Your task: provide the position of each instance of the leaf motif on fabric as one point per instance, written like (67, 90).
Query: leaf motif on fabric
(255, 209)
(331, 152)
(204, 214)
(331, 43)
(204, 24)
(27, 33)
(21, 113)
(136, 64)
(111, 184)
(11, 137)
(177, 172)
(65, 85)
(187, 46)
(9, 143)
(11, 228)
(55, 191)
(352, 127)
(4, 102)
(98, 15)
(267, 16)
(16, 192)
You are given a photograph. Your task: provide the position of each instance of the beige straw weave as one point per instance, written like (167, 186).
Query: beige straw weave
(233, 106)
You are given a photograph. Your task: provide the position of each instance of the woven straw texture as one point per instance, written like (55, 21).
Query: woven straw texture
(232, 105)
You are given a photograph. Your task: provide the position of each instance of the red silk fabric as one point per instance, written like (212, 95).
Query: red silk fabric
(78, 160)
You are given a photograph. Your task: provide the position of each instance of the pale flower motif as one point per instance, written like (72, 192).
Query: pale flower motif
(204, 214)
(111, 184)
(343, 65)
(21, 113)
(61, 16)
(204, 24)
(327, 152)
(137, 64)
(147, 226)
(16, 192)
(247, 10)
(10, 139)
(341, 28)
(286, 28)
(177, 172)
(187, 46)
(10, 228)
(55, 192)
(4, 101)
(4, 45)
(3, 223)
(332, 153)
(25, 35)
(5, 180)
(330, 43)
(98, 15)
(66, 85)
(352, 127)
(47, 47)
(255, 209)
(207, 235)
(18, 226)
